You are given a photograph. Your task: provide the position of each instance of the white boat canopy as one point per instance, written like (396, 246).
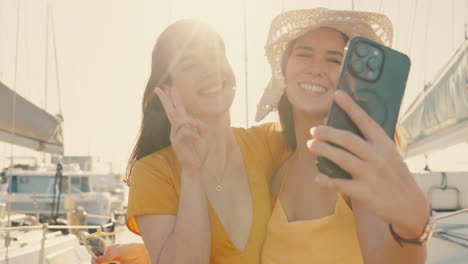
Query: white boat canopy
(438, 118)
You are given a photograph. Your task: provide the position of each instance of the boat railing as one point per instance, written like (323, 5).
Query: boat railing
(446, 231)
(451, 232)
(37, 214)
(46, 227)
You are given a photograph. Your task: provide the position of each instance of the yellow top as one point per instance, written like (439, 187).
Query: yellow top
(155, 189)
(329, 240)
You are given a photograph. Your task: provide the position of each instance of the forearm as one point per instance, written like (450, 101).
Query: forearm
(190, 241)
(378, 244)
(390, 252)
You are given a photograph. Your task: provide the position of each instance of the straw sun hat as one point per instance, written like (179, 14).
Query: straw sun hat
(291, 25)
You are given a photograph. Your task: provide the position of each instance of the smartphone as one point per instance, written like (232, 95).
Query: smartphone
(375, 77)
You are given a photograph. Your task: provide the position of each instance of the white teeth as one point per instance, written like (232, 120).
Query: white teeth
(313, 88)
(212, 90)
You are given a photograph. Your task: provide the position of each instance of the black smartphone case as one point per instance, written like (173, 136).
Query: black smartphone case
(375, 77)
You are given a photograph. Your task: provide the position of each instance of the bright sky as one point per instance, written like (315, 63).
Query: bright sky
(104, 50)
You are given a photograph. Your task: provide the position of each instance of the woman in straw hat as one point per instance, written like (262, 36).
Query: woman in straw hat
(199, 189)
(379, 216)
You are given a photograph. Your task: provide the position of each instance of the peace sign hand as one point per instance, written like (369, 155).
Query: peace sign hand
(186, 132)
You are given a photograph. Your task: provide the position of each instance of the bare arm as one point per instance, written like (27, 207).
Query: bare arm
(185, 237)
(378, 245)
(181, 238)
(382, 189)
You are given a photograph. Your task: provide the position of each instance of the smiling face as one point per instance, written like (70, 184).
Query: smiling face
(203, 76)
(312, 70)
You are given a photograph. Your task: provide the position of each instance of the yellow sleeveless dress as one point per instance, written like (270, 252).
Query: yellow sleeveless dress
(329, 240)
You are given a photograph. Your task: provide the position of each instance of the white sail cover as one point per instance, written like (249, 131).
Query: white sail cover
(438, 118)
(28, 126)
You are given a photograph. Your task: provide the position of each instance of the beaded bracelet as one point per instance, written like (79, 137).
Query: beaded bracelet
(421, 240)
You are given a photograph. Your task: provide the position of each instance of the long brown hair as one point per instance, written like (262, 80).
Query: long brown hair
(155, 128)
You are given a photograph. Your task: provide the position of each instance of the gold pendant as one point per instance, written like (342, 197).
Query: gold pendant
(218, 188)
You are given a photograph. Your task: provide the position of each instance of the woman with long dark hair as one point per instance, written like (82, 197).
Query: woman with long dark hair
(199, 189)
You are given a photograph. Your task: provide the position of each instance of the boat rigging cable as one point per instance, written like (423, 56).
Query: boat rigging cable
(13, 126)
(46, 58)
(453, 25)
(448, 232)
(412, 27)
(50, 26)
(169, 12)
(246, 66)
(425, 42)
(57, 75)
(466, 20)
(381, 6)
(397, 27)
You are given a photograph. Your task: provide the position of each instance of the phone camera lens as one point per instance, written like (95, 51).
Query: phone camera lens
(358, 66)
(373, 63)
(362, 50)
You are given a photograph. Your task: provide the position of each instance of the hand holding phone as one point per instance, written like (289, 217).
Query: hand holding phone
(375, 77)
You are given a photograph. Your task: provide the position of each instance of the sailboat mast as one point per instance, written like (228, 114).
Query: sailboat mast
(57, 75)
(246, 68)
(466, 20)
(169, 12)
(46, 58)
(13, 125)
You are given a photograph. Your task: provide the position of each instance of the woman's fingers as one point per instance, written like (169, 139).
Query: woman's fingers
(188, 123)
(177, 100)
(182, 135)
(343, 158)
(111, 253)
(185, 129)
(368, 127)
(166, 103)
(345, 139)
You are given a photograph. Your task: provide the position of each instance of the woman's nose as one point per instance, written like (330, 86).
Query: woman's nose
(313, 67)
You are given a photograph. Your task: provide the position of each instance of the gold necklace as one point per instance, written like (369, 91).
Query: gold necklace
(218, 186)
(219, 181)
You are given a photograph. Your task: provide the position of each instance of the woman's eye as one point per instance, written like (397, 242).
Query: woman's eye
(303, 55)
(336, 61)
(188, 67)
